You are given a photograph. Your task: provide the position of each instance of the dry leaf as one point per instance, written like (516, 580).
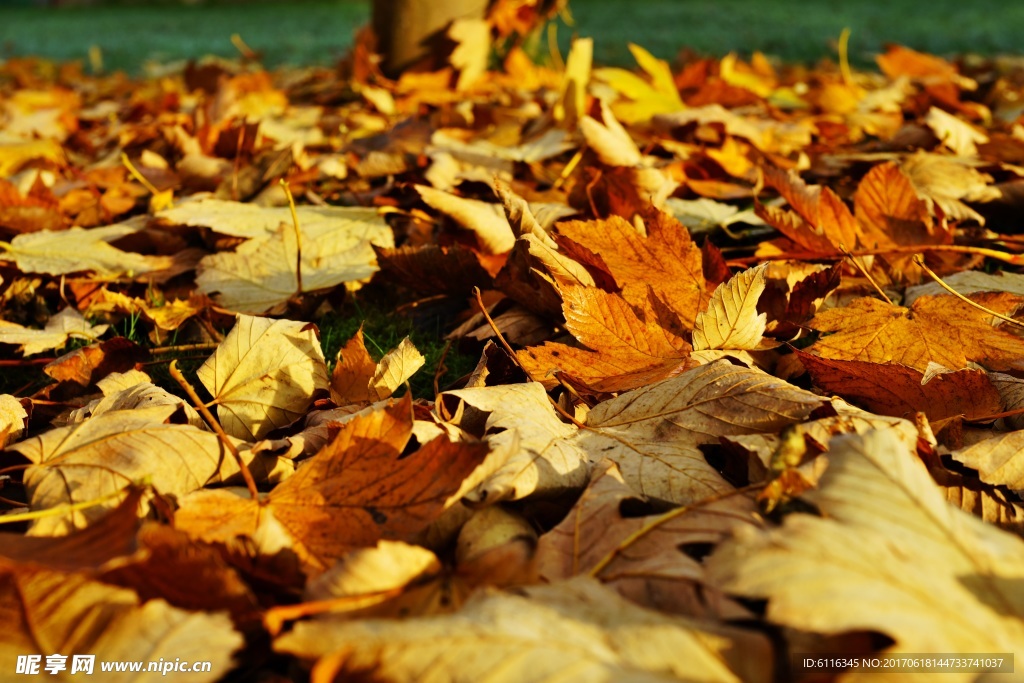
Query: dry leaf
(12, 419)
(573, 630)
(731, 320)
(909, 565)
(654, 433)
(357, 490)
(68, 324)
(263, 375)
(936, 329)
(77, 250)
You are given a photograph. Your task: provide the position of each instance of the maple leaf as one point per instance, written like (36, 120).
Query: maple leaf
(263, 375)
(644, 98)
(654, 433)
(356, 378)
(731, 320)
(260, 275)
(68, 324)
(358, 489)
(531, 449)
(60, 252)
(943, 330)
(894, 389)
(58, 612)
(98, 459)
(665, 258)
(897, 566)
(651, 569)
(630, 347)
(577, 629)
(12, 419)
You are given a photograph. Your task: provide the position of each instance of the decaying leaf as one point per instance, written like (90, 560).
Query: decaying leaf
(731, 320)
(654, 433)
(943, 330)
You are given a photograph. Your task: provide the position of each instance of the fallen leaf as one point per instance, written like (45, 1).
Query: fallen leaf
(910, 566)
(576, 629)
(901, 391)
(263, 375)
(630, 347)
(936, 329)
(731, 320)
(60, 252)
(357, 490)
(66, 325)
(12, 419)
(666, 259)
(654, 433)
(640, 556)
(99, 459)
(531, 449)
(260, 275)
(58, 612)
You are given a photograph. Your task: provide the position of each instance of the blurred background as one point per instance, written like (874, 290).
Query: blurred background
(319, 31)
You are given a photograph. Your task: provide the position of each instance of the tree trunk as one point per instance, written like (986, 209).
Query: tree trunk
(406, 28)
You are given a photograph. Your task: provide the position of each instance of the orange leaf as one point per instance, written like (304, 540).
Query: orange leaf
(936, 329)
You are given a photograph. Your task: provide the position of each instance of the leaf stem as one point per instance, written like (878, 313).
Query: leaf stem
(298, 236)
(250, 483)
(58, 510)
(865, 273)
(137, 175)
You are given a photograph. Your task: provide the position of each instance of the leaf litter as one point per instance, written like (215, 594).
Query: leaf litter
(748, 382)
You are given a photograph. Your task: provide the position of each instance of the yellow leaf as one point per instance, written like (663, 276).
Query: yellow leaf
(887, 553)
(731, 320)
(68, 324)
(263, 375)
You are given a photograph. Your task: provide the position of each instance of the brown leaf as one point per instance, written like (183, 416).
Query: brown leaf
(901, 391)
(357, 490)
(651, 569)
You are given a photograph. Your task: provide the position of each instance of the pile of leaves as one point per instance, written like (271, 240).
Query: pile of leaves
(728, 409)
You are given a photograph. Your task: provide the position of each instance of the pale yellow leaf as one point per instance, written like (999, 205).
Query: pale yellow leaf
(472, 48)
(259, 276)
(654, 433)
(572, 96)
(68, 324)
(395, 369)
(486, 221)
(102, 456)
(886, 554)
(731, 320)
(12, 419)
(263, 375)
(955, 133)
(609, 140)
(570, 631)
(60, 252)
(530, 448)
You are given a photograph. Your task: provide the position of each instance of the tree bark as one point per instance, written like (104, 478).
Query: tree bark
(406, 29)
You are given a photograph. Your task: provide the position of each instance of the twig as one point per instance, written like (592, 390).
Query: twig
(920, 261)
(515, 358)
(865, 273)
(440, 365)
(250, 483)
(1013, 259)
(137, 175)
(183, 348)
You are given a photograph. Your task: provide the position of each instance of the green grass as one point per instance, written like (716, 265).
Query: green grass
(319, 31)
